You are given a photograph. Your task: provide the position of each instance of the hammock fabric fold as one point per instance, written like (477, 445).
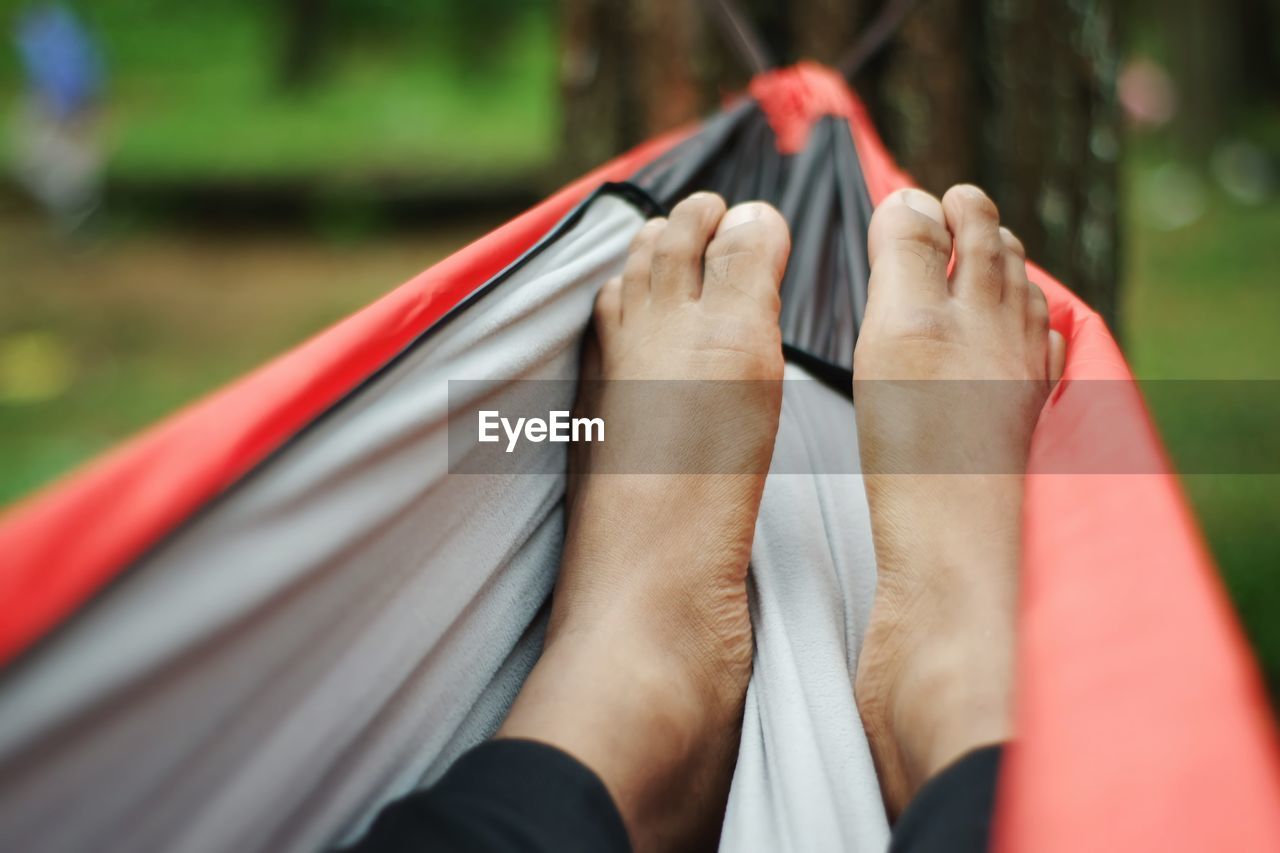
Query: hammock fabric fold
(1142, 721)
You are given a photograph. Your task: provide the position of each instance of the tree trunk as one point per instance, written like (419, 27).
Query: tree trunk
(1052, 143)
(1015, 95)
(303, 28)
(1225, 60)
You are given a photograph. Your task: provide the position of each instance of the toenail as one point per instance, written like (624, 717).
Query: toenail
(906, 196)
(741, 214)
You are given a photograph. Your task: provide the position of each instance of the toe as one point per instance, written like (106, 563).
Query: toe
(1012, 243)
(608, 308)
(1037, 312)
(981, 255)
(909, 248)
(635, 273)
(1042, 361)
(1057, 355)
(1016, 285)
(1037, 306)
(747, 257)
(677, 255)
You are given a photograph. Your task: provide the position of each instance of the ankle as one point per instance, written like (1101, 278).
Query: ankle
(683, 659)
(951, 696)
(606, 681)
(623, 710)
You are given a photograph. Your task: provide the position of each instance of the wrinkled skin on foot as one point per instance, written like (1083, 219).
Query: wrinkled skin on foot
(649, 647)
(951, 372)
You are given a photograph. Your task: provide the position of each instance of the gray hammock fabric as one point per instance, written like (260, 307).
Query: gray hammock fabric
(323, 640)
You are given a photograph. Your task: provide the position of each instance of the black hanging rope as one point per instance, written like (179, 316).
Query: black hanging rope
(875, 37)
(739, 33)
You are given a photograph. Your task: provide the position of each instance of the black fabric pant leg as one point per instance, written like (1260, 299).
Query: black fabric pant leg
(504, 795)
(512, 795)
(952, 812)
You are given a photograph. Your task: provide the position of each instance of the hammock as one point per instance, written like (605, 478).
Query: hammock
(256, 623)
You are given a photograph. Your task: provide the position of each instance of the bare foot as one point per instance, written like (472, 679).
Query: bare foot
(944, 452)
(649, 648)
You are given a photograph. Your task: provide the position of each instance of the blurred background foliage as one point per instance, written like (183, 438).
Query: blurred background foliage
(267, 167)
(433, 91)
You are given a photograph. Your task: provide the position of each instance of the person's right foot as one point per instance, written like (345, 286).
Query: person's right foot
(943, 452)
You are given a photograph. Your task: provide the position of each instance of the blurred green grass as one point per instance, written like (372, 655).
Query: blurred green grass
(1203, 302)
(98, 341)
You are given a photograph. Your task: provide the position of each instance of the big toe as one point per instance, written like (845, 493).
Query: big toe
(747, 258)
(909, 248)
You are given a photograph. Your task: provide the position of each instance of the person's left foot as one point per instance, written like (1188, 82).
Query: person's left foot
(951, 371)
(649, 648)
